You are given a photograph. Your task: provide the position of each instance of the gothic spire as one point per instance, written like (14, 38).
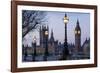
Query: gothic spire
(77, 22)
(77, 25)
(51, 32)
(47, 27)
(52, 37)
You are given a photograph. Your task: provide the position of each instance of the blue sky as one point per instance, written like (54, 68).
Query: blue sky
(55, 22)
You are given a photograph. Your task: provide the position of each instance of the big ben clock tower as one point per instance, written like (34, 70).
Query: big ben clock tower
(77, 37)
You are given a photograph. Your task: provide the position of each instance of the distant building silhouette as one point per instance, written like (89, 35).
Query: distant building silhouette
(42, 35)
(80, 52)
(52, 44)
(77, 37)
(86, 48)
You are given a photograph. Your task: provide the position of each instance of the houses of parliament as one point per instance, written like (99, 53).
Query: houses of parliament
(55, 48)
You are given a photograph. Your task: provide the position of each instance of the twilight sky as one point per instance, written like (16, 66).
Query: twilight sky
(55, 22)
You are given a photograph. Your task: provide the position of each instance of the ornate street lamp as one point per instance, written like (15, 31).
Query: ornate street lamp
(46, 47)
(34, 45)
(65, 50)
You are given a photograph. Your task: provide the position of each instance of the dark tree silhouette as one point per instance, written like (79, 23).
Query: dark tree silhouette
(31, 20)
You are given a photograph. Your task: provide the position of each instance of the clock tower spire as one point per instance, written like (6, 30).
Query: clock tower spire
(77, 37)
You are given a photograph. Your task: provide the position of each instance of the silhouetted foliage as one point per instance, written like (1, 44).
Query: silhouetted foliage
(31, 20)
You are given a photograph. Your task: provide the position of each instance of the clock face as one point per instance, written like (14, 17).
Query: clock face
(78, 32)
(75, 32)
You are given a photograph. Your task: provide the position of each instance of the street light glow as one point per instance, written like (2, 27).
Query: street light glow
(34, 39)
(66, 19)
(46, 32)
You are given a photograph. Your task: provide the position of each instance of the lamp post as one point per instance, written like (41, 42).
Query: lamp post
(34, 45)
(25, 53)
(65, 50)
(46, 47)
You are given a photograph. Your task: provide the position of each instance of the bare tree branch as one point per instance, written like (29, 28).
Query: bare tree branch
(31, 20)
